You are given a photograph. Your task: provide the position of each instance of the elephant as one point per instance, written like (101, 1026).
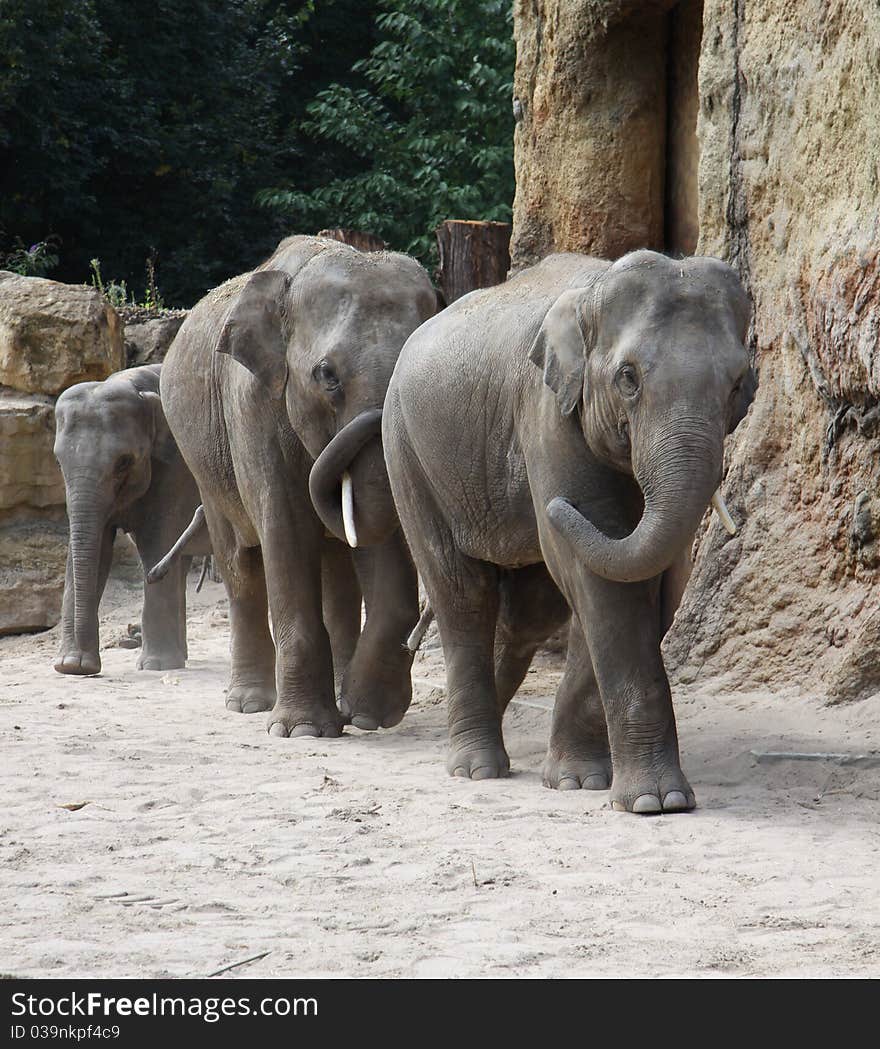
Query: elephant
(121, 469)
(273, 388)
(552, 444)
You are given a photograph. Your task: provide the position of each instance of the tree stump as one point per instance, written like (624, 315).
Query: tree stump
(472, 255)
(356, 238)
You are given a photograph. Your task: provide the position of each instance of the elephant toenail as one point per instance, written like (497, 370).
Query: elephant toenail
(647, 804)
(569, 783)
(365, 722)
(618, 806)
(277, 729)
(675, 801)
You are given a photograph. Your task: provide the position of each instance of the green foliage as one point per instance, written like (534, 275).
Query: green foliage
(432, 127)
(148, 129)
(36, 261)
(115, 292)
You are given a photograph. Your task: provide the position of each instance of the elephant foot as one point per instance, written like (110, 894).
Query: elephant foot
(564, 769)
(486, 761)
(250, 699)
(148, 660)
(81, 663)
(649, 792)
(291, 722)
(368, 715)
(375, 696)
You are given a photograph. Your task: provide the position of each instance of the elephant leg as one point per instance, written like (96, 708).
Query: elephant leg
(530, 609)
(622, 623)
(377, 688)
(163, 620)
(73, 657)
(578, 755)
(672, 588)
(252, 677)
(291, 542)
(341, 604)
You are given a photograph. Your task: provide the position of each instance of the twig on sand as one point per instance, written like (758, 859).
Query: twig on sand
(235, 965)
(474, 870)
(865, 761)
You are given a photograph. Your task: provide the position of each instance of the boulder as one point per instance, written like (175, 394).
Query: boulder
(54, 335)
(148, 334)
(29, 474)
(33, 555)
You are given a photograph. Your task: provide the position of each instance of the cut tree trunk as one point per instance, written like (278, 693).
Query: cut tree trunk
(356, 238)
(472, 255)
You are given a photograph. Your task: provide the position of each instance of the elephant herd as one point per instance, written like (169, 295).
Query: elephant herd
(538, 452)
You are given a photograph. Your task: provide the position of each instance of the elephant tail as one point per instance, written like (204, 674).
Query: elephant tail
(196, 529)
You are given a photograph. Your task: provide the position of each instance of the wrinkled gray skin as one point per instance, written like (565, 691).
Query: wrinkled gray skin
(564, 432)
(270, 372)
(121, 469)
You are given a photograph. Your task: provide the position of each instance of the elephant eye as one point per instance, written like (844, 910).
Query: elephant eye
(326, 376)
(627, 380)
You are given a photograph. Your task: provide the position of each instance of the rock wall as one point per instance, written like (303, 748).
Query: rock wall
(148, 333)
(51, 336)
(784, 168)
(789, 184)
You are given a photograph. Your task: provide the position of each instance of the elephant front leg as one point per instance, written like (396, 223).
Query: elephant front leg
(377, 687)
(622, 625)
(306, 703)
(579, 755)
(80, 655)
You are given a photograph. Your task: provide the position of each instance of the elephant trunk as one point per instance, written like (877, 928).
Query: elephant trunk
(349, 484)
(87, 524)
(678, 477)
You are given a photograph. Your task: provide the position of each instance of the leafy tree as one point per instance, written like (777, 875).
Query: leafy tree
(431, 128)
(144, 129)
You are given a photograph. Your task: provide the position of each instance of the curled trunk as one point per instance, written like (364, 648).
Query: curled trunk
(357, 451)
(678, 479)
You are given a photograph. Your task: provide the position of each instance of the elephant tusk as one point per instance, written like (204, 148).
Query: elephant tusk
(723, 514)
(348, 510)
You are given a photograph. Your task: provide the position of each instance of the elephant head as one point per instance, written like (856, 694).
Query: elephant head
(324, 342)
(107, 435)
(650, 360)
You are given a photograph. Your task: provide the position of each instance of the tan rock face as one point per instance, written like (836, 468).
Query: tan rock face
(789, 179)
(149, 334)
(29, 474)
(590, 139)
(54, 335)
(33, 554)
(784, 170)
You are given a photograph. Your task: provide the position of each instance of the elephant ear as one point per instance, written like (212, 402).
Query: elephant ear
(747, 389)
(254, 330)
(560, 349)
(164, 447)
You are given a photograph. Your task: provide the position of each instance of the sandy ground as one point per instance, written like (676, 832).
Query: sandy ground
(205, 842)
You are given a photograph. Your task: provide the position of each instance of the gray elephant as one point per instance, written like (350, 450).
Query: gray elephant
(121, 469)
(560, 436)
(274, 388)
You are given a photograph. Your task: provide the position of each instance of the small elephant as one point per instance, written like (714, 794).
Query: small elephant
(122, 469)
(552, 445)
(273, 388)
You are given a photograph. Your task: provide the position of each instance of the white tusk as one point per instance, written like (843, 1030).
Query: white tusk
(351, 535)
(722, 511)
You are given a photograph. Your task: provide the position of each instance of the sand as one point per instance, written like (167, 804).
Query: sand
(205, 842)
